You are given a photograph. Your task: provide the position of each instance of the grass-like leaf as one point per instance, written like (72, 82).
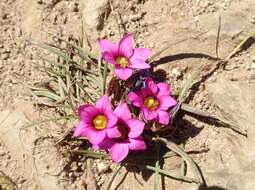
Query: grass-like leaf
(155, 186)
(91, 154)
(115, 173)
(48, 94)
(224, 122)
(105, 77)
(53, 50)
(193, 166)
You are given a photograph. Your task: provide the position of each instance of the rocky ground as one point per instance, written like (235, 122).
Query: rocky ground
(30, 158)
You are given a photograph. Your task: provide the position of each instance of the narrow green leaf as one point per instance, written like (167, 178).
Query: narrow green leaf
(194, 168)
(105, 77)
(95, 80)
(113, 177)
(188, 85)
(53, 119)
(155, 186)
(99, 68)
(91, 154)
(53, 50)
(62, 87)
(47, 94)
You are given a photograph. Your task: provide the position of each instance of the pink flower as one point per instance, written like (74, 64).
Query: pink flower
(127, 135)
(154, 101)
(96, 122)
(124, 57)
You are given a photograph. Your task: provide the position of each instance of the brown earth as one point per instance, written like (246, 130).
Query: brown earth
(29, 156)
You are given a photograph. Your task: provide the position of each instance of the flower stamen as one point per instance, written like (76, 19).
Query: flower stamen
(151, 103)
(100, 122)
(122, 61)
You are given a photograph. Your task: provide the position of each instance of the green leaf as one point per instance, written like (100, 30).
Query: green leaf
(155, 186)
(47, 94)
(95, 80)
(53, 50)
(105, 77)
(62, 88)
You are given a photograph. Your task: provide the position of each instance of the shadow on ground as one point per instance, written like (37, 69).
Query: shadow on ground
(211, 188)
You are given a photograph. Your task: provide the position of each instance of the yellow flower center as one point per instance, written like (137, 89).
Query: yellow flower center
(123, 131)
(100, 122)
(151, 103)
(122, 61)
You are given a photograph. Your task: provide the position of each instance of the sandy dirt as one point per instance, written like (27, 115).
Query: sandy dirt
(31, 159)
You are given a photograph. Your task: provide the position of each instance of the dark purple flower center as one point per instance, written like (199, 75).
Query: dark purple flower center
(123, 131)
(122, 61)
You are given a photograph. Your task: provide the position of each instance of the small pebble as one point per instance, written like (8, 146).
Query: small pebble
(139, 40)
(151, 45)
(176, 72)
(2, 153)
(252, 66)
(39, 1)
(251, 76)
(82, 183)
(5, 56)
(75, 7)
(206, 106)
(102, 168)
(4, 16)
(71, 174)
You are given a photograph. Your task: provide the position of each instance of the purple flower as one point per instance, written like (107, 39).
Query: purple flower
(126, 135)
(124, 57)
(154, 101)
(96, 122)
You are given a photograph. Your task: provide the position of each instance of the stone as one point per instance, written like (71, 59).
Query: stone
(102, 168)
(251, 75)
(32, 152)
(235, 101)
(5, 56)
(176, 72)
(94, 12)
(252, 66)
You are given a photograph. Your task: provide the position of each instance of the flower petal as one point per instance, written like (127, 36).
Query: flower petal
(95, 137)
(136, 127)
(104, 103)
(119, 152)
(113, 132)
(137, 144)
(126, 46)
(122, 111)
(123, 74)
(109, 57)
(163, 117)
(135, 99)
(80, 129)
(112, 119)
(87, 113)
(142, 53)
(144, 92)
(138, 64)
(105, 144)
(107, 46)
(164, 89)
(152, 86)
(149, 115)
(166, 102)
